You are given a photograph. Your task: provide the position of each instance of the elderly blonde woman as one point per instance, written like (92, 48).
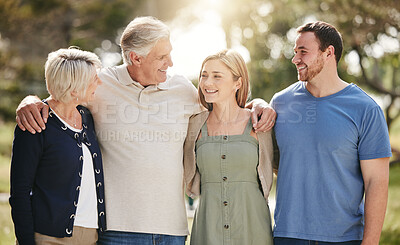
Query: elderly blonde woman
(231, 163)
(57, 192)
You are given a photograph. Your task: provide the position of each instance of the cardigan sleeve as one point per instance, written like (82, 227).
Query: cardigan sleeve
(26, 153)
(266, 156)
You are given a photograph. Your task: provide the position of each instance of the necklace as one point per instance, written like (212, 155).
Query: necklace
(69, 121)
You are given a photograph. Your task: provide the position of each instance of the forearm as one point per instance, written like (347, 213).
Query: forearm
(376, 194)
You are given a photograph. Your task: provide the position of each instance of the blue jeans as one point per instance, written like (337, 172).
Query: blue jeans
(294, 241)
(132, 238)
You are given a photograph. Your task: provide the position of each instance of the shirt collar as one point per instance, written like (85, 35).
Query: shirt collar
(125, 78)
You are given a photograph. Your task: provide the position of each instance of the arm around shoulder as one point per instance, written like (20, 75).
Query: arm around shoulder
(32, 114)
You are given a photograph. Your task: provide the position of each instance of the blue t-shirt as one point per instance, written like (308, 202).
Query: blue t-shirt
(321, 141)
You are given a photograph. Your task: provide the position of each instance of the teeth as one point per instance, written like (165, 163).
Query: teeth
(211, 90)
(301, 68)
(162, 70)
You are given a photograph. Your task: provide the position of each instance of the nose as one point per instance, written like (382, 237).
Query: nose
(206, 81)
(169, 61)
(295, 59)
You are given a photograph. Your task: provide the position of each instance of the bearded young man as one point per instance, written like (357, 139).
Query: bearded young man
(334, 149)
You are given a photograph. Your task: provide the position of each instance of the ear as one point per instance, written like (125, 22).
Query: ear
(135, 59)
(330, 52)
(239, 83)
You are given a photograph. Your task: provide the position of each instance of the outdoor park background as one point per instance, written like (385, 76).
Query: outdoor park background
(262, 31)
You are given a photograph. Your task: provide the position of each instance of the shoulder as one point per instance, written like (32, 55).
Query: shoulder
(288, 91)
(83, 108)
(109, 71)
(115, 75)
(361, 98)
(86, 114)
(179, 81)
(199, 118)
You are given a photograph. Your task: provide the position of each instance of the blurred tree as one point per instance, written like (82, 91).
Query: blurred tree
(30, 29)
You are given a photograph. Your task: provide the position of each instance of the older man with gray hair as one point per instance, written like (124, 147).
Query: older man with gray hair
(141, 117)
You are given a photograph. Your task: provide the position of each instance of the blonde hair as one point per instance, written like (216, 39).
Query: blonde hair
(235, 63)
(141, 35)
(68, 70)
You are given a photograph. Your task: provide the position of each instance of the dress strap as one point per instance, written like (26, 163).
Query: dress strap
(248, 128)
(204, 132)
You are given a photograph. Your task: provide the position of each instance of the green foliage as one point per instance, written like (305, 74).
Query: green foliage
(6, 137)
(391, 227)
(31, 29)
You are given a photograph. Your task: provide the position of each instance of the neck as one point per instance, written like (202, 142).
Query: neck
(325, 84)
(137, 75)
(63, 109)
(225, 112)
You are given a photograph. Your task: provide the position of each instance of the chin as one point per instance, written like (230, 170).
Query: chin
(162, 78)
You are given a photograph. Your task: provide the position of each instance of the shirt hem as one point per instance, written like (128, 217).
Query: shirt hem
(314, 237)
(170, 233)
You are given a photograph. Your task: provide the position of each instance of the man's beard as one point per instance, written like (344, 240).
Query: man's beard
(312, 70)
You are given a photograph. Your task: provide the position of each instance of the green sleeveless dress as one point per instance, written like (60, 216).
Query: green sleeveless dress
(232, 209)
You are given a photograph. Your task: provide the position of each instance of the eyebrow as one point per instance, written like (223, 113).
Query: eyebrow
(301, 47)
(213, 72)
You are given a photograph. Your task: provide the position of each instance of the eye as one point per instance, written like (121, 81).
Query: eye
(217, 76)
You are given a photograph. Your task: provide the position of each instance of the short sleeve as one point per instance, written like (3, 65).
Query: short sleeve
(374, 137)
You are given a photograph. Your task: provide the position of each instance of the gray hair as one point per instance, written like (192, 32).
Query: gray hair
(141, 35)
(68, 70)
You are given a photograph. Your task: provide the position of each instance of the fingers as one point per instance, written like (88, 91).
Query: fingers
(20, 125)
(266, 126)
(45, 114)
(267, 120)
(254, 119)
(36, 121)
(30, 124)
(29, 116)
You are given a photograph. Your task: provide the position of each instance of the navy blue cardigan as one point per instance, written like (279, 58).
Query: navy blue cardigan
(46, 175)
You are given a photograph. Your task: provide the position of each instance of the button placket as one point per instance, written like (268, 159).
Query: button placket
(225, 185)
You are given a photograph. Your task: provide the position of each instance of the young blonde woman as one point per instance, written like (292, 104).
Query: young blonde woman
(225, 161)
